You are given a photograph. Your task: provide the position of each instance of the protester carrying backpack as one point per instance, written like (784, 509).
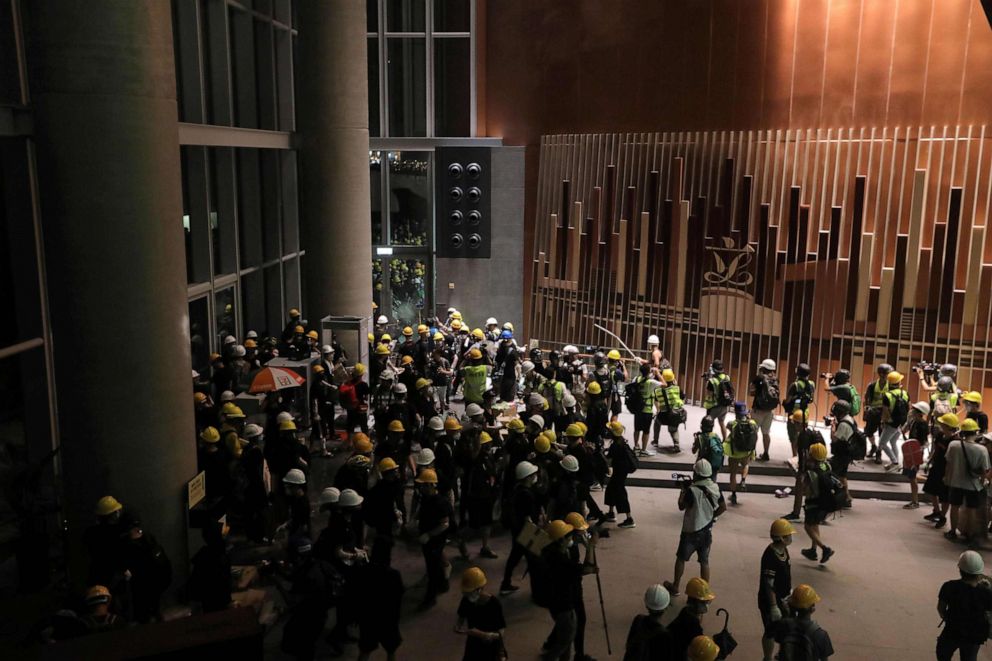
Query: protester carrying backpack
(708, 445)
(799, 637)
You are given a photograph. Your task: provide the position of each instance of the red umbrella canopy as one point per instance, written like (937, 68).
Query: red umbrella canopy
(270, 379)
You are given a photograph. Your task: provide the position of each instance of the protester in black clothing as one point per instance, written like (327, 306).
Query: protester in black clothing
(378, 606)
(583, 537)
(150, 573)
(964, 605)
(104, 543)
(435, 520)
(565, 497)
(688, 623)
(382, 505)
(212, 461)
(623, 463)
(775, 583)
(295, 485)
(524, 508)
(480, 618)
(564, 579)
(797, 634)
(507, 358)
(256, 497)
(210, 579)
(973, 409)
(315, 582)
(649, 639)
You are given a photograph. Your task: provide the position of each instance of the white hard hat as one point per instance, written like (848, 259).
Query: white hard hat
(239, 350)
(570, 348)
(922, 407)
(349, 498)
(508, 326)
(425, 457)
(436, 423)
(527, 367)
(196, 375)
(326, 349)
(328, 496)
(252, 335)
(450, 310)
(768, 364)
(399, 389)
(473, 410)
(491, 321)
(525, 469)
(970, 562)
(653, 339)
(537, 420)
(227, 396)
(656, 598)
(383, 319)
(535, 399)
(568, 400)
(569, 463)
(229, 339)
(253, 431)
(295, 476)
(702, 468)
(284, 416)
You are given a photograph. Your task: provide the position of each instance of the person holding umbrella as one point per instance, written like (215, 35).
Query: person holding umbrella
(688, 624)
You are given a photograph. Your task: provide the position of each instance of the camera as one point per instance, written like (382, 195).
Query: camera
(682, 479)
(708, 374)
(929, 369)
(828, 420)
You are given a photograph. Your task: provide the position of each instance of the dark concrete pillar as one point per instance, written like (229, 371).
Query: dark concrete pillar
(333, 123)
(104, 91)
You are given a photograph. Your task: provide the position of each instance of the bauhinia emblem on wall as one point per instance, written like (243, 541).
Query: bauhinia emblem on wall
(730, 264)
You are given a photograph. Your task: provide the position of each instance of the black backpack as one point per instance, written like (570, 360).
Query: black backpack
(899, 412)
(797, 645)
(831, 497)
(744, 436)
(857, 442)
(767, 394)
(633, 396)
(799, 396)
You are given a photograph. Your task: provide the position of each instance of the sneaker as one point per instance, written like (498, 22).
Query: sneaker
(892, 467)
(506, 589)
(932, 516)
(733, 498)
(668, 585)
(951, 535)
(640, 453)
(649, 453)
(611, 517)
(911, 506)
(809, 553)
(628, 523)
(763, 456)
(848, 504)
(486, 552)
(791, 516)
(743, 485)
(939, 522)
(827, 554)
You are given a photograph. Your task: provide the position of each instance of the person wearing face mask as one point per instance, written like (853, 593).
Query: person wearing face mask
(381, 510)
(800, 636)
(525, 507)
(481, 495)
(564, 578)
(775, 584)
(688, 623)
(648, 638)
(480, 619)
(702, 502)
(433, 526)
(581, 537)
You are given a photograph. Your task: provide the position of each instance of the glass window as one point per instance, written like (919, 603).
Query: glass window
(405, 16)
(373, 87)
(452, 87)
(409, 197)
(375, 189)
(249, 208)
(372, 15)
(290, 203)
(452, 15)
(407, 290)
(222, 197)
(19, 293)
(284, 80)
(274, 310)
(224, 314)
(265, 80)
(271, 240)
(406, 71)
(199, 333)
(245, 97)
(291, 284)
(10, 75)
(377, 282)
(253, 304)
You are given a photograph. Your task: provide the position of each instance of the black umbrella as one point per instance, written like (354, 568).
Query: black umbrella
(725, 640)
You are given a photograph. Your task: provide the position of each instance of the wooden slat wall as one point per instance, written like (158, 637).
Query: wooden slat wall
(849, 247)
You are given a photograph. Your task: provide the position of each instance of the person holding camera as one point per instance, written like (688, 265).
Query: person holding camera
(702, 503)
(798, 398)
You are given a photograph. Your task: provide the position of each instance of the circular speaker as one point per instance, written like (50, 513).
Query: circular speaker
(455, 217)
(474, 241)
(456, 240)
(474, 216)
(455, 170)
(473, 170)
(455, 193)
(474, 194)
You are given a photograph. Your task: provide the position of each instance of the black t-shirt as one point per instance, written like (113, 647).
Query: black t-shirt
(684, 628)
(966, 606)
(433, 510)
(759, 383)
(820, 639)
(565, 577)
(648, 639)
(485, 616)
(981, 419)
(524, 506)
(779, 571)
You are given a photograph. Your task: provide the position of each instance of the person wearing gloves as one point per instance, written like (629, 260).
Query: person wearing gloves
(702, 502)
(480, 619)
(648, 638)
(775, 582)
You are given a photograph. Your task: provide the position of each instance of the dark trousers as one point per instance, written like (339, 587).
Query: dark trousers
(358, 418)
(434, 561)
(946, 646)
(580, 627)
(516, 555)
(560, 639)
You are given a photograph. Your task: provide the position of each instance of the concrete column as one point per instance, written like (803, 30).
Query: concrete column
(333, 123)
(104, 91)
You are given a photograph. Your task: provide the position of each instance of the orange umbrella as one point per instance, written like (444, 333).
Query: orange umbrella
(270, 379)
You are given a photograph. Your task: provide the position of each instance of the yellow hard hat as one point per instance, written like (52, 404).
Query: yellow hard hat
(456, 324)
(108, 505)
(473, 578)
(698, 589)
(318, 369)
(371, 337)
(456, 315)
(949, 420)
(209, 435)
(358, 369)
(583, 426)
(803, 597)
(251, 344)
(438, 337)
(375, 306)
(558, 529)
(387, 464)
(973, 397)
(427, 476)
(236, 413)
(361, 443)
(818, 451)
(613, 354)
(382, 350)
(199, 397)
(421, 328)
(407, 331)
(550, 433)
(406, 360)
(516, 425)
(782, 528)
(798, 416)
(573, 431)
(703, 648)
(594, 388)
(969, 425)
(422, 383)
(615, 428)
(228, 407)
(452, 424)
(668, 375)
(386, 337)
(294, 313)
(396, 425)
(287, 425)
(893, 377)
(576, 520)
(484, 437)
(475, 354)
(97, 594)
(214, 357)
(312, 335)
(299, 329)
(542, 444)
